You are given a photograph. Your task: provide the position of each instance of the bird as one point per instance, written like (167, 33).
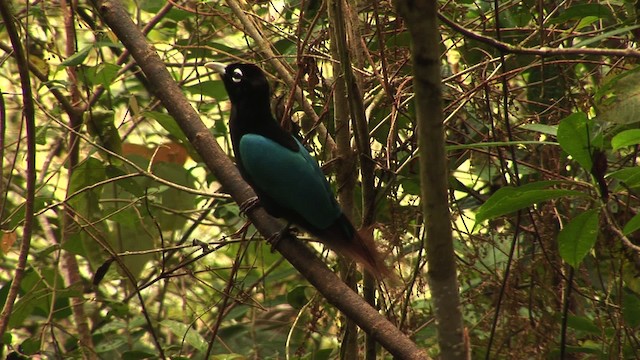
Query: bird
(286, 178)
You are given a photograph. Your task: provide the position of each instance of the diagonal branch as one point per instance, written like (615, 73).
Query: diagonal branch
(300, 256)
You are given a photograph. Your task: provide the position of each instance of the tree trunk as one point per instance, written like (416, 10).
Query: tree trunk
(421, 19)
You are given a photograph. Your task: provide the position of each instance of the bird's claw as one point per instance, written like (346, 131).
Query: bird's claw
(249, 204)
(274, 239)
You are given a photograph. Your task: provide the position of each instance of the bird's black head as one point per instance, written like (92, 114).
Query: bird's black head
(244, 82)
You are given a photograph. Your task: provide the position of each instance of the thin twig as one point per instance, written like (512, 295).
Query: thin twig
(541, 51)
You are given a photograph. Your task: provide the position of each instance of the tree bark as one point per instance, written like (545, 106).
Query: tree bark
(421, 20)
(345, 171)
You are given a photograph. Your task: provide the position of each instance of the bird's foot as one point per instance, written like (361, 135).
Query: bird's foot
(274, 239)
(249, 204)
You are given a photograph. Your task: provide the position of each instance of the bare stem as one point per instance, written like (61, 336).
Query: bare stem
(29, 118)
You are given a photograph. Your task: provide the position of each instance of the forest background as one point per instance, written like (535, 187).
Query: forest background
(120, 240)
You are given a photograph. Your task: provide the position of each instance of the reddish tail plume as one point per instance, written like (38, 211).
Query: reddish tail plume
(363, 249)
(359, 247)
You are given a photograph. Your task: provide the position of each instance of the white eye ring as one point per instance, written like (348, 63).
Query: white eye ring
(236, 77)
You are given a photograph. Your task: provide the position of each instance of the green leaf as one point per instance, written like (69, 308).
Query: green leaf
(74, 244)
(212, 88)
(587, 347)
(26, 305)
(619, 99)
(228, 357)
(626, 138)
(629, 276)
(136, 232)
(7, 338)
(510, 199)
(128, 184)
(41, 134)
(86, 203)
(101, 125)
(221, 48)
(410, 185)
(631, 309)
(109, 343)
(102, 74)
(86, 174)
(219, 128)
(187, 333)
(40, 203)
(30, 346)
(541, 128)
(606, 35)
(583, 324)
(137, 354)
(629, 176)
(118, 309)
(77, 58)
(573, 136)
(608, 87)
(168, 123)
(298, 297)
(175, 199)
(632, 225)
(578, 237)
(4, 291)
(580, 11)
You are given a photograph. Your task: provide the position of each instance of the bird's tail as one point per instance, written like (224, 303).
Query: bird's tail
(343, 238)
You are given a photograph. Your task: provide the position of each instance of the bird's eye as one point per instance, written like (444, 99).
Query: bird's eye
(236, 76)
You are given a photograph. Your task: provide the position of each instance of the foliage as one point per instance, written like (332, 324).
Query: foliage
(543, 157)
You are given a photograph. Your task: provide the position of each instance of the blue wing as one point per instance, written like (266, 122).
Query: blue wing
(291, 179)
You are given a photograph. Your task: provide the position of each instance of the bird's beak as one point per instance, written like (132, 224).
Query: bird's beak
(216, 66)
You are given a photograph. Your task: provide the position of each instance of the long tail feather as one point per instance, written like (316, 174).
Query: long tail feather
(356, 245)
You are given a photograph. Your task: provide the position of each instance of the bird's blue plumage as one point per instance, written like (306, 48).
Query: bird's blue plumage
(292, 179)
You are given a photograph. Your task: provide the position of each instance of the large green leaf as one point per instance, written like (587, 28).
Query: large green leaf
(78, 57)
(110, 343)
(620, 99)
(510, 199)
(168, 123)
(582, 323)
(574, 138)
(579, 11)
(626, 138)
(578, 237)
(212, 88)
(102, 74)
(632, 225)
(30, 346)
(37, 296)
(85, 176)
(630, 177)
(86, 203)
(297, 297)
(137, 355)
(542, 128)
(188, 333)
(631, 309)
